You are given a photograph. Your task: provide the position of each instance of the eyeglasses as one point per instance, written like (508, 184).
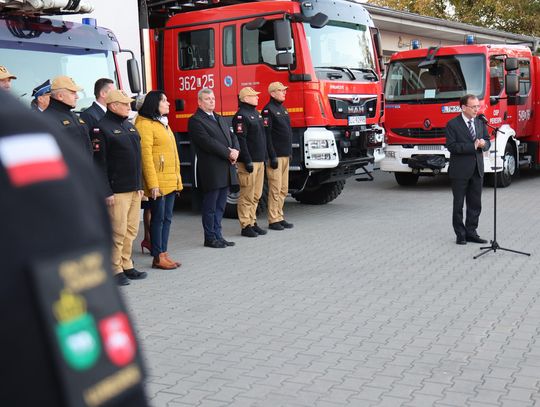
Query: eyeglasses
(475, 107)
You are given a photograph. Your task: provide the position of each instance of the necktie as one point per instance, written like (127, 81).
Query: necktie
(471, 130)
(213, 117)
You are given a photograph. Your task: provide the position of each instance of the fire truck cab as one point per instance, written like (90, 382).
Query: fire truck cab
(326, 52)
(422, 93)
(36, 46)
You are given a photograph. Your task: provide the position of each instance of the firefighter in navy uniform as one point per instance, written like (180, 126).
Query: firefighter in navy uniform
(249, 128)
(63, 99)
(279, 141)
(66, 338)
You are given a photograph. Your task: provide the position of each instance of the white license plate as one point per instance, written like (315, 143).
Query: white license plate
(356, 120)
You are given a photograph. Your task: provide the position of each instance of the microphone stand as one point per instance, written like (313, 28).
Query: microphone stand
(494, 244)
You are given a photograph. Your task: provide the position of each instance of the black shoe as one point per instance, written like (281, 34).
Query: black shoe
(275, 226)
(121, 279)
(133, 274)
(258, 230)
(226, 242)
(475, 239)
(216, 244)
(460, 240)
(248, 231)
(286, 224)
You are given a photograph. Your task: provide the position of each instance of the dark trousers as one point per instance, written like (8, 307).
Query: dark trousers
(213, 206)
(470, 191)
(160, 224)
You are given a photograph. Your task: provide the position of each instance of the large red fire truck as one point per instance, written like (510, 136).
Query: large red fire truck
(36, 47)
(326, 52)
(422, 90)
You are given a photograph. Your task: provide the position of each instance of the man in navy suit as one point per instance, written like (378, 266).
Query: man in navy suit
(466, 139)
(216, 149)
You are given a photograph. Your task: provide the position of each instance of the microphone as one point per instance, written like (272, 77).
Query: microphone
(482, 117)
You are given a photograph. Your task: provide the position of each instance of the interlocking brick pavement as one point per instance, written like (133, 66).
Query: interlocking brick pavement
(366, 302)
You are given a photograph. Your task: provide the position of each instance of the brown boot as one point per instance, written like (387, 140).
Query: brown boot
(178, 264)
(161, 262)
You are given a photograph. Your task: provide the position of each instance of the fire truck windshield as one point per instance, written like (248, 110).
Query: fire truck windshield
(33, 67)
(343, 47)
(446, 78)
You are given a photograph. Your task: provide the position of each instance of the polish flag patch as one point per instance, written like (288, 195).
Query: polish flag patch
(32, 158)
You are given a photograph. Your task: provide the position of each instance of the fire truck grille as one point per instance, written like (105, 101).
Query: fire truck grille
(436, 132)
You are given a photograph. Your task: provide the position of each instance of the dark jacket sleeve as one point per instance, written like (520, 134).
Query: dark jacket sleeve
(241, 130)
(100, 159)
(202, 139)
(267, 120)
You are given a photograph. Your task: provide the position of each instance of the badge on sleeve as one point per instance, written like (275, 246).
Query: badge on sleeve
(91, 341)
(32, 158)
(239, 124)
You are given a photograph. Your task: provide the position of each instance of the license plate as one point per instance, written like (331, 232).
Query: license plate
(356, 120)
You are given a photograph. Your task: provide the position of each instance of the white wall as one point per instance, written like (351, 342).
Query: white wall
(122, 17)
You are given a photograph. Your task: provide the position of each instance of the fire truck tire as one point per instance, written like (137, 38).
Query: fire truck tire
(321, 195)
(231, 211)
(406, 179)
(504, 178)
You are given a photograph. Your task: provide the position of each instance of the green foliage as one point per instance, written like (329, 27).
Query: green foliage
(516, 16)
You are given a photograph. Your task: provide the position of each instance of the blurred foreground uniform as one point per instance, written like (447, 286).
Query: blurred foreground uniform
(66, 338)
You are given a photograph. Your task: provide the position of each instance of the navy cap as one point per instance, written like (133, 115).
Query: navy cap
(42, 89)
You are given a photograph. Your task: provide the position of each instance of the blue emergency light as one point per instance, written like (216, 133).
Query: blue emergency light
(469, 39)
(415, 44)
(92, 22)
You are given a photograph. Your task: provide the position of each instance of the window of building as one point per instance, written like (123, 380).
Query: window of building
(196, 49)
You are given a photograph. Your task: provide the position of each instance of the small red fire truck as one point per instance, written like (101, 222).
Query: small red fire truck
(422, 92)
(327, 53)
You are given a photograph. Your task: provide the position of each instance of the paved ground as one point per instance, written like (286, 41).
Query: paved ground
(366, 302)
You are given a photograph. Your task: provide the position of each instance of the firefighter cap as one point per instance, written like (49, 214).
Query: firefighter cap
(65, 82)
(247, 91)
(276, 86)
(4, 73)
(118, 95)
(42, 89)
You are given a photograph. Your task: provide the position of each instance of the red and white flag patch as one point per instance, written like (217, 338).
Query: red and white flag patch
(32, 158)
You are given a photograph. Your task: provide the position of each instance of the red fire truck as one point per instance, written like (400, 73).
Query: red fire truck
(422, 90)
(326, 52)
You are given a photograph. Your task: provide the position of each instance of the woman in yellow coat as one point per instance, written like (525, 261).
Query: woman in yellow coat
(161, 172)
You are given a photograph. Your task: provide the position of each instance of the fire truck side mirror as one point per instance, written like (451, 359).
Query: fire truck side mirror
(512, 84)
(511, 64)
(282, 35)
(133, 75)
(284, 59)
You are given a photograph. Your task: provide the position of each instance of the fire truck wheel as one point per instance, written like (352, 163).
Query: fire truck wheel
(232, 199)
(322, 194)
(504, 178)
(406, 179)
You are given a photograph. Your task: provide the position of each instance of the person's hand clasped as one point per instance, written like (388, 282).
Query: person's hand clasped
(155, 193)
(109, 201)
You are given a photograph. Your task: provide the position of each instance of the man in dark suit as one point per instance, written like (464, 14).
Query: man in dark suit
(466, 139)
(96, 111)
(216, 149)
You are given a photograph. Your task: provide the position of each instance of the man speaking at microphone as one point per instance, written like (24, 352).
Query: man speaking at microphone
(466, 138)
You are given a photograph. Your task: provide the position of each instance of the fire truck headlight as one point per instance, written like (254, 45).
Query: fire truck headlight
(318, 144)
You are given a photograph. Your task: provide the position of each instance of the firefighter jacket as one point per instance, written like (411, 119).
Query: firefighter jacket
(161, 165)
(277, 124)
(248, 127)
(118, 154)
(68, 123)
(57, 283)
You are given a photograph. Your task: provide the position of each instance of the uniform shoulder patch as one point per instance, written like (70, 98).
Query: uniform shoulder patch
(32, 158)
